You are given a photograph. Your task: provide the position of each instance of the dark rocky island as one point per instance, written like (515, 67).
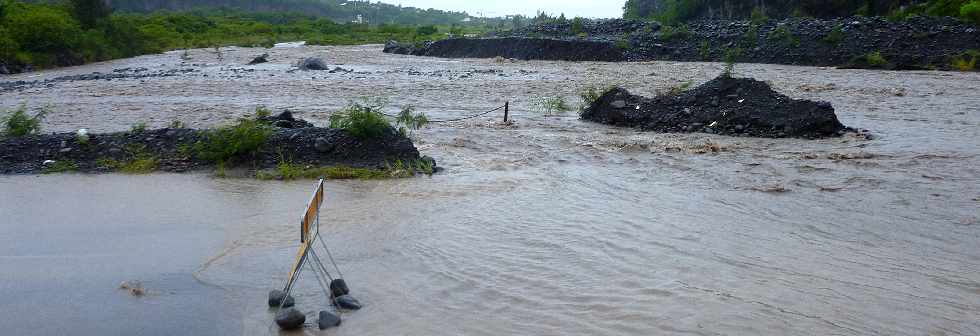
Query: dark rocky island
(724, 105)
(253, 145)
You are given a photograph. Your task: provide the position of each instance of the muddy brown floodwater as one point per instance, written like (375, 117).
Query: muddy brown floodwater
(552, 226)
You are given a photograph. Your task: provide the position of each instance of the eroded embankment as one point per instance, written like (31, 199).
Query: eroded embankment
(514, 47)
(915, 43)
(182, 149)
(724, 105)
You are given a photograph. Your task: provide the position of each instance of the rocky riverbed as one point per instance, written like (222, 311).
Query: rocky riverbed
(856, 42)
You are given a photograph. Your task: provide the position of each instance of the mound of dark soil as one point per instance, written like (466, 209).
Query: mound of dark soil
(516, 48)
(172, 150)
(724, 105)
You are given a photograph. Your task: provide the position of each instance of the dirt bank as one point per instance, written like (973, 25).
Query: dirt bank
(916, 43)
(514, 47)
(172, 150)
(724, 105)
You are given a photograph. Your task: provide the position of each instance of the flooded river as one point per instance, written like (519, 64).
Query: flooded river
(550, 226)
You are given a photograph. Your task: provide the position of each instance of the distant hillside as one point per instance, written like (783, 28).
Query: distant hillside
(336, 10)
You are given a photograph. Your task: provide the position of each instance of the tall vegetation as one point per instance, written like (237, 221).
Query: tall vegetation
(70, 32)
(674, 11)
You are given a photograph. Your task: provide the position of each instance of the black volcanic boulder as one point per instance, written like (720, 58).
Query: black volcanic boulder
(285, 120)
(264, 58)
(290, 318)
(312, 63)
(724, 105)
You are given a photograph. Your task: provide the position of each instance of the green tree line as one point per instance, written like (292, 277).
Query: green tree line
(336, 10)
(47, 34)
(674, 11)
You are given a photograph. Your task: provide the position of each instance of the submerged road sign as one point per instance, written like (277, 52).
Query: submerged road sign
(309, 226)
(311, 218)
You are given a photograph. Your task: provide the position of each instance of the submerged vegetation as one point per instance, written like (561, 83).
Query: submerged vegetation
(550, 105)
(286, 170)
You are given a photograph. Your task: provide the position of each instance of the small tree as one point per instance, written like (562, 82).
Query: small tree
(426, 30)
(89, 12)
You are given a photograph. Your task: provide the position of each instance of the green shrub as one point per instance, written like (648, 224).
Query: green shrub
(361, 121)
(549, 105)
(731, 56)
(19, 124)
(971, 11)
(782, 35)
(578, 26)
(228, 143)
(966, 61)
(751, 36)
(426, 30)
(262, 112)
(413, 121)
(835, 36)
(42, 28)
(138, 128)
(668, 33)
(876, 59)
(591, 94)
(758, 16)
(705, 50)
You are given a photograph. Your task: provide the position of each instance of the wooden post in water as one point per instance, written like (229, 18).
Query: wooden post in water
(506, 110)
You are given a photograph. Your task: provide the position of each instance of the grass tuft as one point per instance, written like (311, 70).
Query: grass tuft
(966, 62)
(363, 121)
(875, 59)
(835, 36)
(550, 105)
(18, 123)
(228, 143)
(138, 161)
(138, 128)
(60, 166)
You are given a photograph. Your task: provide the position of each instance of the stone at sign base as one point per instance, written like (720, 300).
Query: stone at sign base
(328, 319)
(338, 287)
(348, 302)
(289, 319)
(276, 297)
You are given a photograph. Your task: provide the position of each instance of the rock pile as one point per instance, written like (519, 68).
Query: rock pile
(724, 105)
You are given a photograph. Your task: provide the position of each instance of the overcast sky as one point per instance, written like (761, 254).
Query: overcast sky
(571, 8)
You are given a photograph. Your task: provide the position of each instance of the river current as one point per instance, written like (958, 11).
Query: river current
(549, 226)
